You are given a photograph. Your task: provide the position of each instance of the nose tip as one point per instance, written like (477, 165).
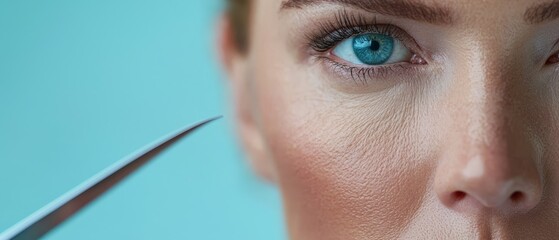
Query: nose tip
(509, 196)
(497, 187)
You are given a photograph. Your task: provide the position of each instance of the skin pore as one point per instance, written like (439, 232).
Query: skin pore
(457, 138)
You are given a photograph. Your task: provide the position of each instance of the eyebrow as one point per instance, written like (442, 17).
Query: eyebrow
(542, 12)
(411, 9)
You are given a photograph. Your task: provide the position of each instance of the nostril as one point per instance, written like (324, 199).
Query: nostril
(517, 197)
(458, 196)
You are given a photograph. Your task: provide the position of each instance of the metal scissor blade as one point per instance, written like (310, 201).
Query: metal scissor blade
(56, 212)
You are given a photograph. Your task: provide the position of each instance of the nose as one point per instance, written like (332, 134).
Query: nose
(487, 177)
(489, 158)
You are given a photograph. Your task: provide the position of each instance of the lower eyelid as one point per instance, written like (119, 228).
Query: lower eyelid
(351, 80)
(359, 75)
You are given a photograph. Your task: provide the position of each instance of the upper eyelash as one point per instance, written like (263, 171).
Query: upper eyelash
(346, 25)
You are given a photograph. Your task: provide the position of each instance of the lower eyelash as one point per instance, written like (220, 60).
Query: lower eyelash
(364, 75)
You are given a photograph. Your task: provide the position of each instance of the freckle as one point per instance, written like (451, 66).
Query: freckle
(474, 169)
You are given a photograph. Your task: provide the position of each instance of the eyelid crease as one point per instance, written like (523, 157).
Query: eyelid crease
(416, 10)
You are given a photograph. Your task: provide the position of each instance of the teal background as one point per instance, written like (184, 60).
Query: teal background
(84, 83)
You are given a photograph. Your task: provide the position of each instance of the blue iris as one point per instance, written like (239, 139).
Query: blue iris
(373, 48)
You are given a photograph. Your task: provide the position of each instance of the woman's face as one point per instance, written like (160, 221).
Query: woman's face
(412, 119)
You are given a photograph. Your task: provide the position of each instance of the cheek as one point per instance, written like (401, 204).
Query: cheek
(342, 186)
(361, 175)
(349, 178)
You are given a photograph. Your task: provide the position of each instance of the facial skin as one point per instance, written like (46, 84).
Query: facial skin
(460, 142)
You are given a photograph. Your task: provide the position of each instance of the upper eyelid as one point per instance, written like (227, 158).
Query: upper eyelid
(388, 29)
(357, 23)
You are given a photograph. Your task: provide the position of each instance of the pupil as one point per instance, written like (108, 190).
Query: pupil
(375, 45)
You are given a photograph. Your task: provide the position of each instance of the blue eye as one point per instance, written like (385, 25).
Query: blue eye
(372, 49)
